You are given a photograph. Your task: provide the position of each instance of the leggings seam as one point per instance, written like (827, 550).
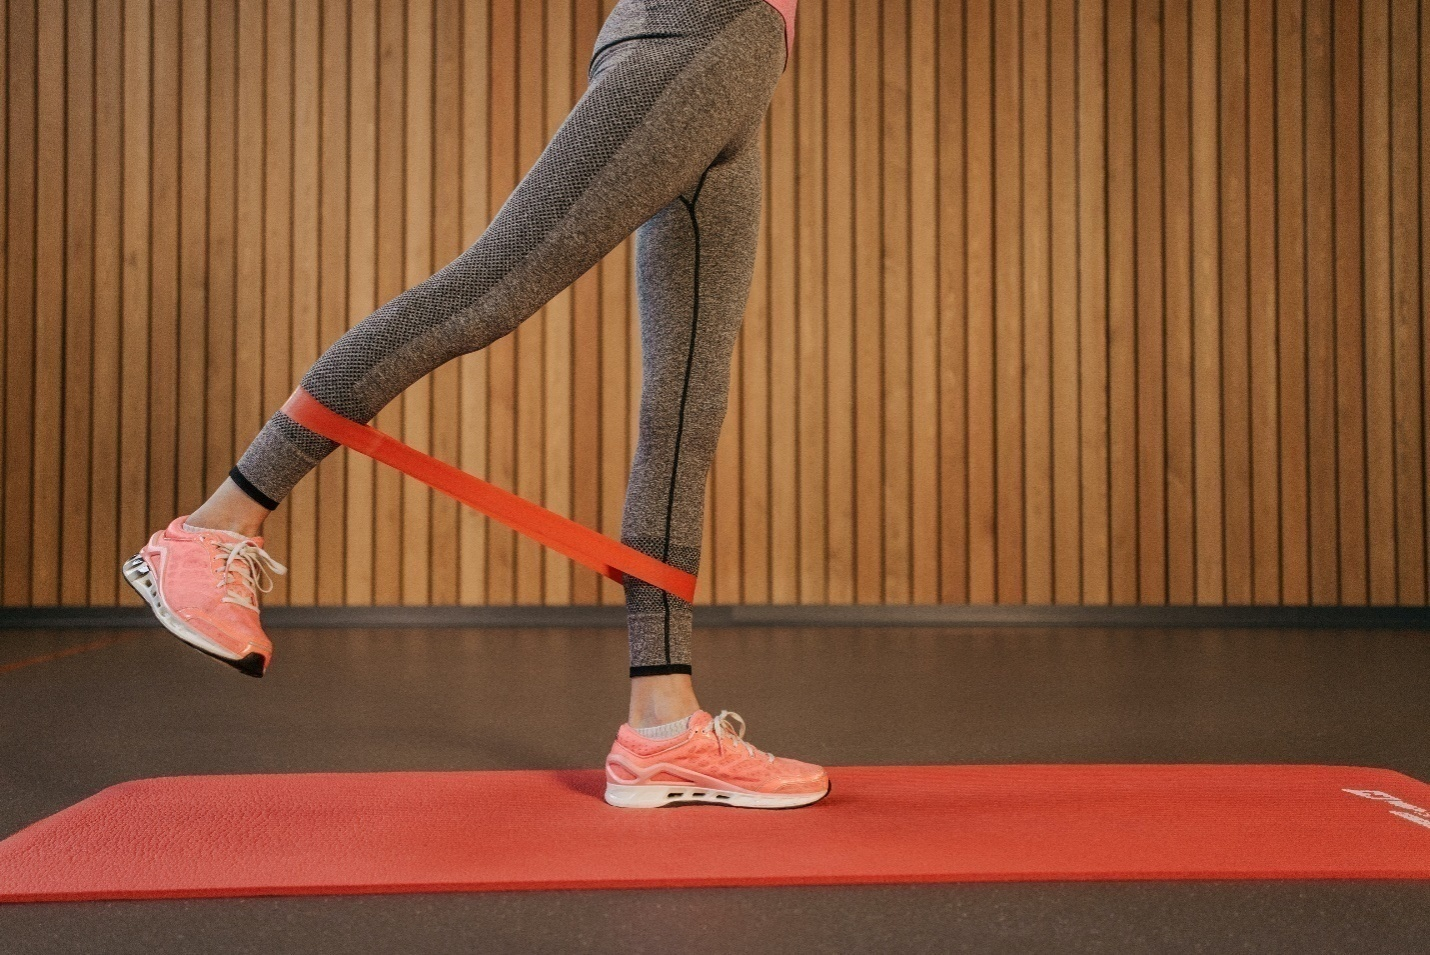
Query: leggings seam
(684, 388)
(597, 53)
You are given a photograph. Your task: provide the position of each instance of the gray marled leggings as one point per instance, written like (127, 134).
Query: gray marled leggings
(664, 142)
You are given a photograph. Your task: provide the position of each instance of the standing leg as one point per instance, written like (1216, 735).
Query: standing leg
(694, 260)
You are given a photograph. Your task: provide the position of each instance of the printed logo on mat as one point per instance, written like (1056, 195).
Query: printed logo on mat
(1421, 817)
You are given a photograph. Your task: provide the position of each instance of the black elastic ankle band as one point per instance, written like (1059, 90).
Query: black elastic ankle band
(246, 486)
(661, 669)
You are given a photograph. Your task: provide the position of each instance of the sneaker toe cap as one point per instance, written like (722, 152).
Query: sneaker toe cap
(228, 634)
(802, 777)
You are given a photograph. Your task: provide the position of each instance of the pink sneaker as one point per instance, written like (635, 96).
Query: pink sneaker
(203, 586)
(709, 763)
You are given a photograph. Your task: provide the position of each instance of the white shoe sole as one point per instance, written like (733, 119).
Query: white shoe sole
(140, 576)
(651, 797)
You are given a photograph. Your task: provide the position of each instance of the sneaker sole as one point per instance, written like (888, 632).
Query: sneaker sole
(140, 576)
(651, 797)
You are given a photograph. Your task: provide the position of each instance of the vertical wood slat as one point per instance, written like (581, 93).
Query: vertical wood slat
(1177, 297)
(1121, 304)
(1208, 435)
(20, 251)
(1007, 420)
(952, 357)
(1152, 483)
(1423, 55)
(1234, 280)
(1262, 305)
(979, 266)
(1055, 302)
(838, 251)
(1406, 303)
(5, 239)
(1350, 350)
(894, 304)
(79, 322)
(811, 188)
(1375, 290)
(924, 326)
(1323, 540)
(104, 542)
(1291, 301)
(1091, 46)
(869, 385)
(1063, 285)
(49, 299)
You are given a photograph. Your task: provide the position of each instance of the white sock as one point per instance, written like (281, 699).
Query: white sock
(194, 530)
(664, 730)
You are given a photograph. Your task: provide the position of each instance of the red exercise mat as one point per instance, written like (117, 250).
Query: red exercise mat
(317, 833)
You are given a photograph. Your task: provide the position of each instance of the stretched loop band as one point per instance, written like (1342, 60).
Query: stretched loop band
(581, 544)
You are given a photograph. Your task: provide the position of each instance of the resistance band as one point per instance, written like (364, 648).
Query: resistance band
(581, 544)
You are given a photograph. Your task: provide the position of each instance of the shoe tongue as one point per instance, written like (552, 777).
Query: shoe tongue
(700, 718)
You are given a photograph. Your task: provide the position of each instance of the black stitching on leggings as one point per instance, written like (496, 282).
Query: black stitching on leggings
(684, 390)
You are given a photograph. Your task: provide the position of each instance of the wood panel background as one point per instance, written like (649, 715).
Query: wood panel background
(1111, 301)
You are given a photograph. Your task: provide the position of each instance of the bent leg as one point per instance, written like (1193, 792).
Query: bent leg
(666, 102)
(694, 260)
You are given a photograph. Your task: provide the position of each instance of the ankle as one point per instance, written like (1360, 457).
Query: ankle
(230, 509)
(661, 699)
(659, 717)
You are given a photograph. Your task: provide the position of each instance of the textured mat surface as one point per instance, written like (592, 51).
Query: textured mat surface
(299, 834)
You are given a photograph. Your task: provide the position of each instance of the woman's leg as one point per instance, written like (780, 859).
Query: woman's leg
(678, 81)
(694, 261)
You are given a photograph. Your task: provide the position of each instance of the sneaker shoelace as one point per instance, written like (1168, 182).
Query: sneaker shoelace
(246, 568)
(725, 730)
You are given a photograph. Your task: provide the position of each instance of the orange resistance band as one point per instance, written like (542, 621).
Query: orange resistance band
(581, 544)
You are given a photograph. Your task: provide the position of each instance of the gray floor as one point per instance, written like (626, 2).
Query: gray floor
(365, 700)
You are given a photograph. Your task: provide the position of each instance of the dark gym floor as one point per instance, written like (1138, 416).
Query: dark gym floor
(140, 704)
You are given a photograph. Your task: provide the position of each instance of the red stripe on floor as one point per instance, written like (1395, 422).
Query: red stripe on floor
(67, 652)
(307, 834)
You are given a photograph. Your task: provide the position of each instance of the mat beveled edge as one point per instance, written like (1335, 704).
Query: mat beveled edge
(695, 882)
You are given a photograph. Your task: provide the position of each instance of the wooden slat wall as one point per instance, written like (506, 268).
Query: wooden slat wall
(1057, 301)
